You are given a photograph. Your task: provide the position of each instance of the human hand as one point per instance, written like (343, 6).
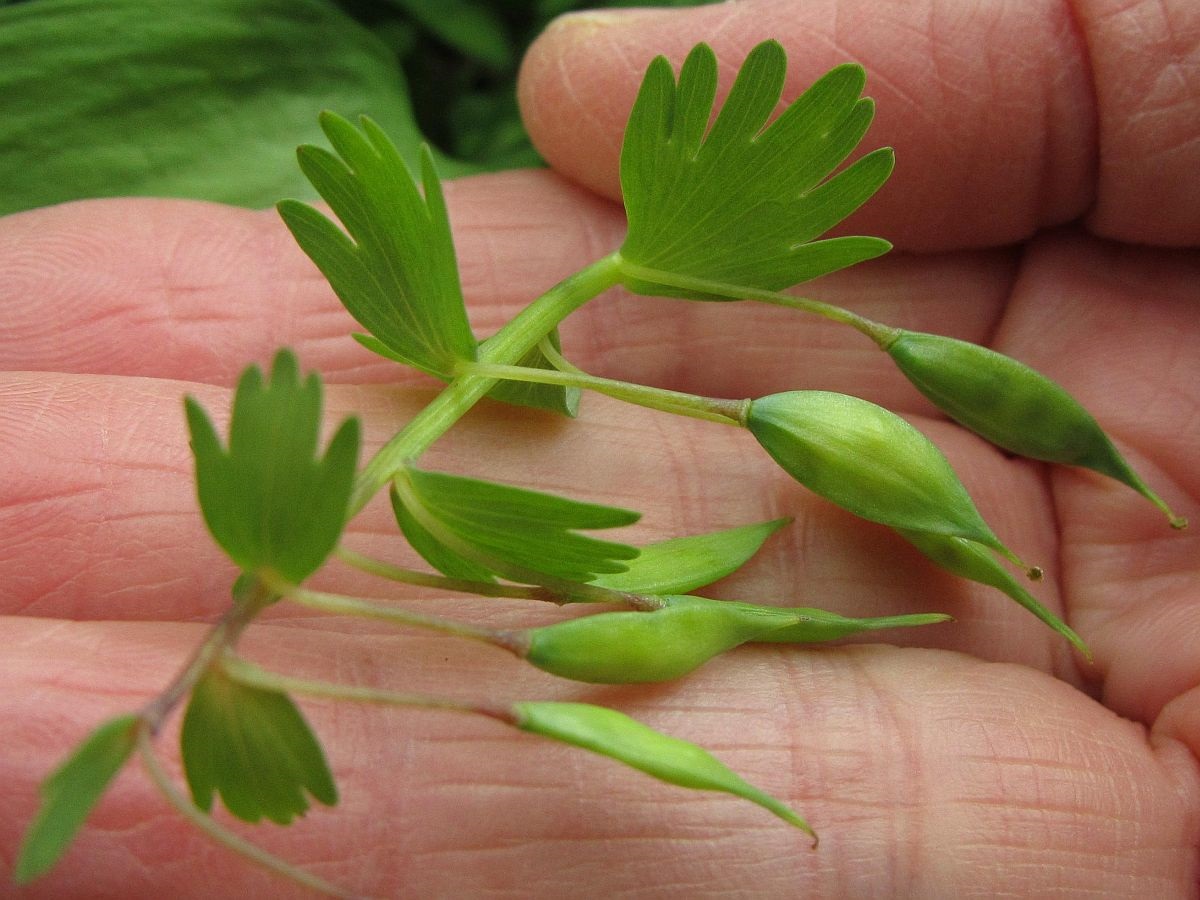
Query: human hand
(927, 771)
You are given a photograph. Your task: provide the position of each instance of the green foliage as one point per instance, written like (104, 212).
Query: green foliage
(209, 100)
(267, 501)
(743, 204)
(69, 794)
(683, 564)
(496, 528)
(613, 734)
(396, 273)
(712, 210)
(474, 29)
(253, 747)
(205, 100)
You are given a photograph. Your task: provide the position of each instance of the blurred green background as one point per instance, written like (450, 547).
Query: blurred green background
(209, 98)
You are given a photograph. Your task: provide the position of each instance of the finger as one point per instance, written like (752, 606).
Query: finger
(897, 758)
(172, 289)
(1004, 120)
(177, 289)
(98, 517)
(1119, 329)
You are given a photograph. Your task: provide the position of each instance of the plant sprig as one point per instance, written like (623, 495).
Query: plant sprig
(728, 211)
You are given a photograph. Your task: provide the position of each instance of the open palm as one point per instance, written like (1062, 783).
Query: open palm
(980, 757)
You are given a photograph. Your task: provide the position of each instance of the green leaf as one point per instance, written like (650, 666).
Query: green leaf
(396, 273)
(205, 100)
(267, 501)
(683, 564)
(69, 794)
(253, 747)
(521, 534)
(613, 734)
(434, 551)
(475, 29)
(743, 204)
(552, 397)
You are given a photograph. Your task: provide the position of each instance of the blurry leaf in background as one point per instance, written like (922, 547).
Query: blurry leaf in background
(206, 99)
(461, 59)
(474, 29)
(209, 98)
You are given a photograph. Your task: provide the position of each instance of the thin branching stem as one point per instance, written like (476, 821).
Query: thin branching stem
(219, 833)
(342, 605)
(253, 675)
(221, 636)
(881, 334)
(442, 582)
(711, 409)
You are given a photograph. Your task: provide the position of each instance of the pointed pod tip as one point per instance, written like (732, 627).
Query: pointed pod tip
(1078, 643)
(792, 818)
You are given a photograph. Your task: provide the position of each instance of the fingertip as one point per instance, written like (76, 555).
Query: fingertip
(1009, 128)
(575, 87)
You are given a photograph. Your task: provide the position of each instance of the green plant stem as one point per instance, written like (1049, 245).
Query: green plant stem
(341, 605)
(218, 832)
(506, 346)
(881, 334)
(442, 582)
(221, 636)
(727, 412)
(248, 673)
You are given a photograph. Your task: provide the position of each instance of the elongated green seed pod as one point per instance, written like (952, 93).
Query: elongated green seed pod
(817, 625)
(969, 560)
(1012, 406)
(616, 735)
(813, 626)
(632, 647)
(870, 461)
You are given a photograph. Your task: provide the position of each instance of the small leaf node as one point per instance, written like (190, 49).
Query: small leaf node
(551, 397)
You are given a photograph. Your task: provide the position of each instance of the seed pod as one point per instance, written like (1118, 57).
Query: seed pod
(614, 734)
(869, 461)
(969, 560)
(811, 626)
(1012, 406)
(817, 625)
(633, 647)
(630, 647)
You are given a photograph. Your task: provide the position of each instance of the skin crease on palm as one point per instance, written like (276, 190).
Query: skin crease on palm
(1044, 203)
